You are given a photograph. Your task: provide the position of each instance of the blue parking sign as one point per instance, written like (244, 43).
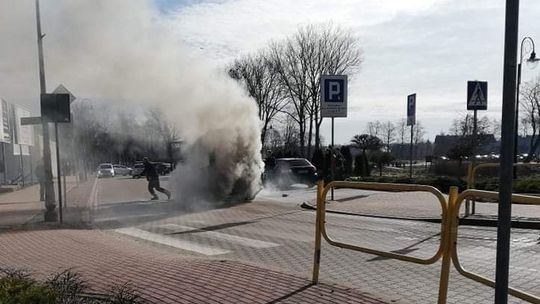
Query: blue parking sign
(333, 95)
(411, 109)
(333, 90)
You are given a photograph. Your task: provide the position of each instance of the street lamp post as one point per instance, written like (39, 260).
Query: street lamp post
(532, 58)
(50, 201)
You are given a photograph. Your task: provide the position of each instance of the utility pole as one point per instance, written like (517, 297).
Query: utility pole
(50, 201)
(507, 151)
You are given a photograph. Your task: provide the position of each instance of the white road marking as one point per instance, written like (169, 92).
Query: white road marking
(128, 217)
(170, 241)
(218, 235)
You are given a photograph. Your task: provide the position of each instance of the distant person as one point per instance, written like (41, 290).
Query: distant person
(40, 174)
(153, 180)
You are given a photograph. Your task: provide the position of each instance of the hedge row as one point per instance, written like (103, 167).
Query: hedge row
(443, 183)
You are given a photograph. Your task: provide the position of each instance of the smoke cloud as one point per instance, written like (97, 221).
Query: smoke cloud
(127, 52)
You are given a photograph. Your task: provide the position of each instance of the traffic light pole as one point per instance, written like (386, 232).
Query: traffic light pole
(50, 201)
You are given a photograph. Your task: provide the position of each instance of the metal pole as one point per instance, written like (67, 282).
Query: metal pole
(516, 142)
(22, 163)
(317, 254)
(411, 152)
(4, 162)
(332, 160)
(58, 171)
(475, 144)
(31, 166)
(50, 201)
(507, 145)
(65, 187)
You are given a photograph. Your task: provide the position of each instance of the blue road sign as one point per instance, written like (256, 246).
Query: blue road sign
(477, 95)
(333, 95)
(411, 109)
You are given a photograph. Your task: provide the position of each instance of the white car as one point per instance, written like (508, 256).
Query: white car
(105, 170)
(121, 170)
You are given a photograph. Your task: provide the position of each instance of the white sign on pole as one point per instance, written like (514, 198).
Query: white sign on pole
(4, 122)
(61, 89)
(24, 134)
(333, 95)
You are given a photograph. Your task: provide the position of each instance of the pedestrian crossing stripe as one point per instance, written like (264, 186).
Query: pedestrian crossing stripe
(244, 241)
(171, 241)
(477, 98)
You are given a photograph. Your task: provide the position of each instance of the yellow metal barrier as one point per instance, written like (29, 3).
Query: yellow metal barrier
(449, 230)
(453, 212)
(444, 247)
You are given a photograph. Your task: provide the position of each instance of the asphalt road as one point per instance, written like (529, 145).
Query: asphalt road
(274, 232)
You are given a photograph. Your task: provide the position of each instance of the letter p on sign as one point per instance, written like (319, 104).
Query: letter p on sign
(334, 95)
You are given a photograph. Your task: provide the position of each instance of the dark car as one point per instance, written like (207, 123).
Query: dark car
(163, 168)
(284, 172)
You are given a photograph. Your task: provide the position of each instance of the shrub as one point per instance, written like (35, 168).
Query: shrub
(17, 287)
(22, 290)
(443, 183)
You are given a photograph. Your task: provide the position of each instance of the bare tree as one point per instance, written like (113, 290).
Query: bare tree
(336, 52)
(388, 132)
(418, 132)
(301, 60)
(374, 128)
(290, 64)
(530, 105)
(402, 130)
(257, 75)
(464, 126)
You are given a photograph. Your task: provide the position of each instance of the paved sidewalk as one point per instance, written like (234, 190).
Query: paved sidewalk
(105, 259)
(22, 207)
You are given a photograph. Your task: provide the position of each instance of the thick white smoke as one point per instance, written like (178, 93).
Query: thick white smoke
(127, 51)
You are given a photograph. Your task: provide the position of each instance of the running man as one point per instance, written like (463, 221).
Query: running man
(153, 180)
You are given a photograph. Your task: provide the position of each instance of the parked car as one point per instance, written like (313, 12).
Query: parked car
(284, 172)
(163, 168)
(138, 168)
(122, 170)
(105, 170)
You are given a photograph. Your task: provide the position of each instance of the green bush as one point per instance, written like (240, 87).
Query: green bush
(443, 183)
(527, 185)
(16, 287)
(15, 290)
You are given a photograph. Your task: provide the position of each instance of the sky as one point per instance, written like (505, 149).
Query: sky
(428, 47)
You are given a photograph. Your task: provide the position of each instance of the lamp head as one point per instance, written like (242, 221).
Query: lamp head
(533, 57)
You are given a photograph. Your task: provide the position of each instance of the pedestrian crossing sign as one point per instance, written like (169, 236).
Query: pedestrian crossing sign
(477, 95)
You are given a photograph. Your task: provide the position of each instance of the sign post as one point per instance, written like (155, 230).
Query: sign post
(56, 108)
(476, 100)
(333, 104)
(411, 121)
(64, 115)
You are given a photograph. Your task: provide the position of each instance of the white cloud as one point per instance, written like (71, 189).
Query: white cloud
(425, 46)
